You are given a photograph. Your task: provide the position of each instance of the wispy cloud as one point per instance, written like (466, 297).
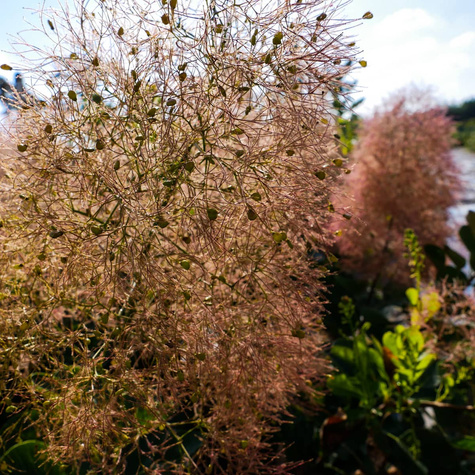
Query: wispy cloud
(412, 45)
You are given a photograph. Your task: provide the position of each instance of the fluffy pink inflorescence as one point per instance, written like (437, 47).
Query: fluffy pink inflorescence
(404, 178)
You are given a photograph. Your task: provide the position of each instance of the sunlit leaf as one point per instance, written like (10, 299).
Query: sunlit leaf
(185, 264)
(279, 237)
(277, 40)
(412, 295)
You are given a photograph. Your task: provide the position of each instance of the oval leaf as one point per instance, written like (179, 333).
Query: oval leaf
(212, 213)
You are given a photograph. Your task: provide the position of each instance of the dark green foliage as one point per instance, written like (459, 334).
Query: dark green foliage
(449, 263)
(464, 111)
(464, 116)
(390, 403)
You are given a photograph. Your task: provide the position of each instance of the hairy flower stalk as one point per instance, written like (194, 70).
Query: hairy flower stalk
(158, 304)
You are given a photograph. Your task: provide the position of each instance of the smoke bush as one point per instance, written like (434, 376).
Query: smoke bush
(404, 177)
(158, 304)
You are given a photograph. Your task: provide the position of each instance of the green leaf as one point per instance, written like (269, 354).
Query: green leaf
(455, 257)
(251, 214)
(277, 40)
(143, 416)
(50, 24)
(343, 356)
(424, 363)
(279, 237)
(363, 63)
(451, 273)
(189, 166)
(21, 147)
(73, 96)
(161, 223)
(24, 458)
(367, 16)
(55, 234)
(414, 336)
(96, 98)
(212, 213)
(6, 67)
(471, 221)
(298, 333)
(412, 295)
(468, 237)
(120, 31)
(343, 385)
(321, 175)
(467, 443)
(321, 17)
(186, 264)
(436, 254)
(256, 196)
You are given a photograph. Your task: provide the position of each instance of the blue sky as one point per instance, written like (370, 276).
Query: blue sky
(425, 42)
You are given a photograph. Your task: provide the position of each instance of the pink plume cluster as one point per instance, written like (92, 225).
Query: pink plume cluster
(404, 177)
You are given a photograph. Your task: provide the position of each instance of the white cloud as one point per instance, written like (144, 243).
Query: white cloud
(404, 22)
(464, 41)
(408, 46)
